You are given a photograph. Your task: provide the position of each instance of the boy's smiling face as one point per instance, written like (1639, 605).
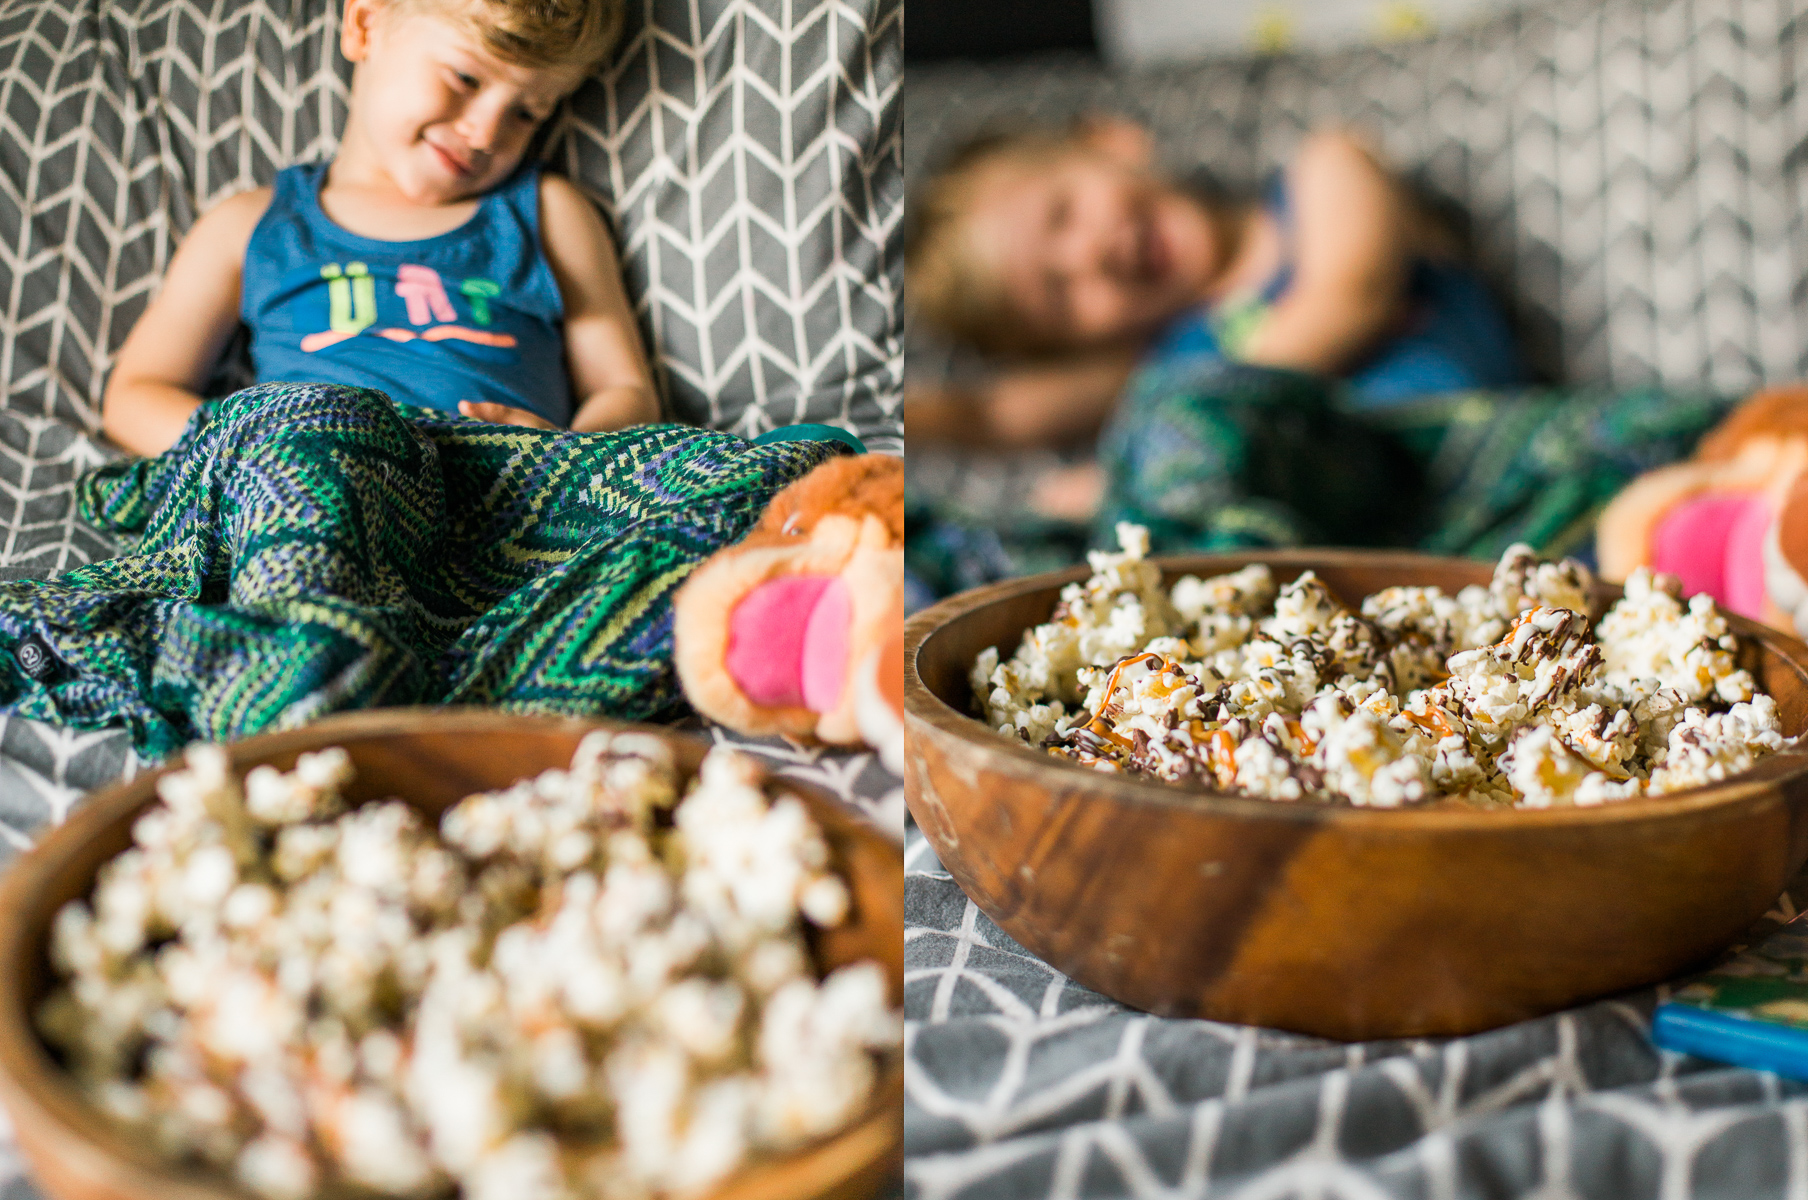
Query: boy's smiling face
(1090, 250)
(432, 109)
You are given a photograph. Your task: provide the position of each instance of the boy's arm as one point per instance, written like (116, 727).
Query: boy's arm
(609, 375)
(1351, 236)
(165, 361)
(1041, 405)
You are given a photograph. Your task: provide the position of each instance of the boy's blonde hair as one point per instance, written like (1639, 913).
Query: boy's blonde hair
(945, 283)
(536, 33)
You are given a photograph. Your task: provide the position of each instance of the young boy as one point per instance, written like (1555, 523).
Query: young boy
(1198, 333)
(1311, 366)
(423, 260)
(1070, 249)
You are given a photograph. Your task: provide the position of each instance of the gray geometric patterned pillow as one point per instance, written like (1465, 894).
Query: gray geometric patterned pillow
(750, 152)
(1632, 169)
(748, 156)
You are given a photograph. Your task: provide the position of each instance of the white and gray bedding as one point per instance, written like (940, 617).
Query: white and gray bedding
(1020, 1083)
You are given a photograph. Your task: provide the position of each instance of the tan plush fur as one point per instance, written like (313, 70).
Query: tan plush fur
(845, 518)
(1765, 461)
(1761, 447)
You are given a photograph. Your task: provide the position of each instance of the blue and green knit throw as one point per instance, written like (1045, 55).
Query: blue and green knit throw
(306, 548)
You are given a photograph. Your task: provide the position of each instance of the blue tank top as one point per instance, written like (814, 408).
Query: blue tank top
(1451, 335)
(472, 314)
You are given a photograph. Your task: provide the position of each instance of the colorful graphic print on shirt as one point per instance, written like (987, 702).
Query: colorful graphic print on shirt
(352, 308)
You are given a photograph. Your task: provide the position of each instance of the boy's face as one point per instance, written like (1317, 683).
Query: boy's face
(1089, 249)
(443, 117)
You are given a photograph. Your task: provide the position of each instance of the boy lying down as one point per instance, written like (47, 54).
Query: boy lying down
(446, 486)
(1314, 364)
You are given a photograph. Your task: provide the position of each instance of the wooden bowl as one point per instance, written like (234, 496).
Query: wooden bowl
(1343, 922)
(432, 759)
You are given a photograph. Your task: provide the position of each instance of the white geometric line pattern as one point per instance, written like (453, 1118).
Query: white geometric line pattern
(1632, 170)
(119, 123)
(753, 161)
(1021, 1083)
(856, 778)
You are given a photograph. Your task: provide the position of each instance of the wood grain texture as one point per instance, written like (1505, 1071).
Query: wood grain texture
(431, 758)
(1342, 922)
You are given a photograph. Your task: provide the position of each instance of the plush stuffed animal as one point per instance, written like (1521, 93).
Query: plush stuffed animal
(798, 628)
(1732, 521)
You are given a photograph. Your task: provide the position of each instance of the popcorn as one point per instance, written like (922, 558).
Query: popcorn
(1706, 748)
(1495, 696)
(278, 1167)
(810, 1083)
(1521, 582)
(1543, 769)
(1652, 640)
(1545, 656)
(308, 792)
(1428, 626)
(1363, 759)
(1303, 608)
(1221, 610)
(579, 985)
(1095, 624)
(1265, 769)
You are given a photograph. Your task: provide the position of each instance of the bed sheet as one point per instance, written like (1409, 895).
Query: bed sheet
(1020, 1083)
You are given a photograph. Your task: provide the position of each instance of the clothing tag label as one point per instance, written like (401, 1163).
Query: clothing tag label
(37, 659)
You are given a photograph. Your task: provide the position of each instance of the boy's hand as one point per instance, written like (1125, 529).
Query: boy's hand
(502, 414)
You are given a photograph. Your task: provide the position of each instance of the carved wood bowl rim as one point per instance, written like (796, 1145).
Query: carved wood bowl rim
(923, 707)
(77, 1153)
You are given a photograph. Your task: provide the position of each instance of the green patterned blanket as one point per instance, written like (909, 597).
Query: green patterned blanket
(304, 549)
(1217, 456)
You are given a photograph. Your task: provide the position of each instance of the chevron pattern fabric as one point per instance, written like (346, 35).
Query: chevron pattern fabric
(747, 151)
(1632, 169)
(1020, 1084)
(751, 154)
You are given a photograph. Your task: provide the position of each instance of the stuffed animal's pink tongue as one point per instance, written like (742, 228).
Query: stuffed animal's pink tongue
(824, 665)
(787, 642)
(1714, 543)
